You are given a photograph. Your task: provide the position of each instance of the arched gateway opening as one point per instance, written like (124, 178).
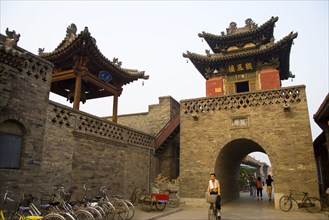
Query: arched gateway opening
(227, 166)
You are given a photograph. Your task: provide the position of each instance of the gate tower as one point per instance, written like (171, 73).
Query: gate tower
(245, 110)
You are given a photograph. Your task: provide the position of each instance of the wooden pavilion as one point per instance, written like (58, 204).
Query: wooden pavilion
(82, 72)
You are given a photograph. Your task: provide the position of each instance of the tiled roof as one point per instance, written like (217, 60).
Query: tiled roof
(84, 44)
(281, 48)
(245, 34)
(322, 114)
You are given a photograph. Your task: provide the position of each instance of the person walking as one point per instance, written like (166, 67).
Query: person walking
(259, 186)
(269, 182)
(252, 185)
(214, 189)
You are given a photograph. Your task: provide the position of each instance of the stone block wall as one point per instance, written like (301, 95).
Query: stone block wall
(155, 119)
(228, 128)
(24, 90)
(83, 149)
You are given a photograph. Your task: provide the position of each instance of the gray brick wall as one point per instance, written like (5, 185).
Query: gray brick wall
(230, 127)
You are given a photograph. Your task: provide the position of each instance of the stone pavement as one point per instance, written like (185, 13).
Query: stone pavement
(243, 208)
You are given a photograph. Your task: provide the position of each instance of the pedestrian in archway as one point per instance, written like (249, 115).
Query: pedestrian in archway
(252, 185)
(214, 189)
(259, 185)
(269, 182)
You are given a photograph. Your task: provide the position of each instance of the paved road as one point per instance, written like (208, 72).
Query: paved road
(243, 208)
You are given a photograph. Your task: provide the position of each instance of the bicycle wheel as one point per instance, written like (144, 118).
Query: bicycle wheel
(84, 215)
(121, 209)
(285, 203)
(67, 216)
(133, 199)
(101, 210)
(173, 200)
(108, 209)
(53, 216)
(96, 214)
(131, 208)
(147, 203)
(313, 204)
(160, 205)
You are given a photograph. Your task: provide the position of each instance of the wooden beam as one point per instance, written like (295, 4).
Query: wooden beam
(77, 92)
(115, 108)
(63, 75)
(59, 73)
(110, 88)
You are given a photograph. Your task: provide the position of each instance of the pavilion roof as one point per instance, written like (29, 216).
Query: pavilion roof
(263, 53)
(237, 36)
(84, 45)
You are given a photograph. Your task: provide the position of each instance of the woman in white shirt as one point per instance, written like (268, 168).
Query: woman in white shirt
(213, 189)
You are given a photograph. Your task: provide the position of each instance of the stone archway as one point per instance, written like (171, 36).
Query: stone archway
(228, 162)
(216, 133)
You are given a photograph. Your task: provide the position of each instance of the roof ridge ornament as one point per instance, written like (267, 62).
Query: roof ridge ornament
(9, 43)
(71, 30)
(12, 38)
(231, 28)
(116, 62)
(250, 24)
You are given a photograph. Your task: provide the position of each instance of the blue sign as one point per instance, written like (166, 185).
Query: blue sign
(105, 76)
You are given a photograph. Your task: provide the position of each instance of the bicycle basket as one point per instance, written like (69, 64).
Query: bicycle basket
(211, 198)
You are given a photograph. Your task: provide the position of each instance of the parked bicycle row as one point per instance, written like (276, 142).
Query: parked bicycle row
(77, 204)
(60, 205)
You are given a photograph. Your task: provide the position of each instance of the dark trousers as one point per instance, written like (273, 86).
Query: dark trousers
(217, 200)
(260, 192)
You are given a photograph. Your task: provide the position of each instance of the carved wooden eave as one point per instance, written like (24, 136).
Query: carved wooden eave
(257, 35)
(279, 50)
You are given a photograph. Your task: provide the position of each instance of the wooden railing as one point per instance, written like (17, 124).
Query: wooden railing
(167, 130)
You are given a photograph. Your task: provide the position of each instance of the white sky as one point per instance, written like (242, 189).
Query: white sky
(152, 35)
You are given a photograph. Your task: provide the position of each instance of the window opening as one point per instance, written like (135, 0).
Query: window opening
(242, 86)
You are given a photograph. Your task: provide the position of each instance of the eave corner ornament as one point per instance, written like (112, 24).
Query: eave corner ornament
(9, 44)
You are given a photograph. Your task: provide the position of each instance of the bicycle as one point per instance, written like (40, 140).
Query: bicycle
(121, 208)
(312, 204)
(212, 210)
(154, 199)
(137, 196)
(8, 204)
(26, 210)
(174, 199)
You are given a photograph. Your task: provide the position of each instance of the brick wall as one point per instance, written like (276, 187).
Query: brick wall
(25, 84)
(228, 128)
(152, 121)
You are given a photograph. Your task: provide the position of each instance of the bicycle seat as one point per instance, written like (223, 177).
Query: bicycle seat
(117, 196)
(45, 206)
(24, 208)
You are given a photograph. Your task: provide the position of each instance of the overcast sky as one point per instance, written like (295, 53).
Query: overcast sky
(152, 35)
